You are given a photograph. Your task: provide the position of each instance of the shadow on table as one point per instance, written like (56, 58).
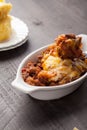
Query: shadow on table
(46, 112)
(10, 54)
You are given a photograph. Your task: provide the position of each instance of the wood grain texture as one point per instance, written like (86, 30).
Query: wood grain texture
(45, 19)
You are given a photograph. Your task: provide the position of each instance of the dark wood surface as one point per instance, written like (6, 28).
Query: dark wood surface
(18, 111)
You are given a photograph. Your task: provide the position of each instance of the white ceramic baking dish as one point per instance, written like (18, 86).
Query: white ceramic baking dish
(51, 92)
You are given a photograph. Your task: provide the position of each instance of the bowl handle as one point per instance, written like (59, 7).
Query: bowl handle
(21, 87)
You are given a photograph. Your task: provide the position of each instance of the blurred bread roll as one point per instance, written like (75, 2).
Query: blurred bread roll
(5, 28)
(5, 21)
(4, 9)
(2, 0)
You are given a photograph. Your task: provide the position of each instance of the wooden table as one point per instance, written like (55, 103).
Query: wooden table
(18, 111)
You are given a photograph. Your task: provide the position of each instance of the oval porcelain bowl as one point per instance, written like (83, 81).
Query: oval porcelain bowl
(45, 92)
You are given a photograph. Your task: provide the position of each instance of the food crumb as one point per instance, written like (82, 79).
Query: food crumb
(75, 128)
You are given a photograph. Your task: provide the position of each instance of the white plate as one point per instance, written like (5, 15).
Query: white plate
(18, 37)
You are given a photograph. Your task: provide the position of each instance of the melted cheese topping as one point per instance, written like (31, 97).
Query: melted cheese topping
(61, 69)
(51, 62)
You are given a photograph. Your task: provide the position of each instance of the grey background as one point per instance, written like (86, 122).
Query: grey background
(45, 19)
